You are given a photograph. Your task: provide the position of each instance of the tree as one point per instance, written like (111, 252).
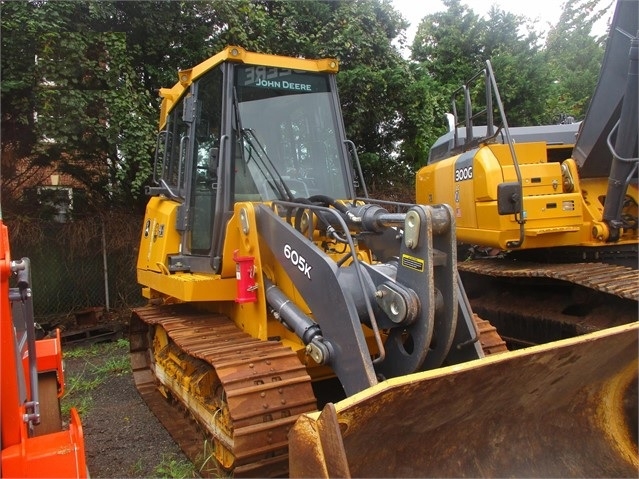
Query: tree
(79, 88)
(373, 82)
(423, 119)
(450, 43)
(456, 44)
(65, 100)
(514, 49)
(18, 81)
(89, 103)
(101, 64)
(574, 58)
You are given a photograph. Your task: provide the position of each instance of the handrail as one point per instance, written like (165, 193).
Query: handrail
(522, 213)
(358, 165)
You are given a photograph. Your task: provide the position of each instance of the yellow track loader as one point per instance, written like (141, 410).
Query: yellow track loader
(275, 292)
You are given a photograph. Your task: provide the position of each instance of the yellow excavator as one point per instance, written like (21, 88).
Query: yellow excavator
(547, 216)
(302, 330)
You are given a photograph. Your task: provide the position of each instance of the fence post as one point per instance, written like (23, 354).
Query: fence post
(106, 270)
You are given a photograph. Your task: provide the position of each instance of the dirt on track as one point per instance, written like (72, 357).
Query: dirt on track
(122, 436)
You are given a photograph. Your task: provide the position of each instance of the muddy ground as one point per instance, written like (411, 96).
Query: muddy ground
(122, 437)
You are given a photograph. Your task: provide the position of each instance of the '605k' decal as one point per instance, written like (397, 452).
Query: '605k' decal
(298, 260)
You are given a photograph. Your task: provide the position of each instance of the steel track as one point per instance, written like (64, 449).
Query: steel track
(533, 303)
(260, 391)
(262, 388)
(612, 279)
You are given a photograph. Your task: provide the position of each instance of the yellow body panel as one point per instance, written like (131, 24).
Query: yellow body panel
(218, 292)
(554, 215)
(159, 238)
(189, 287)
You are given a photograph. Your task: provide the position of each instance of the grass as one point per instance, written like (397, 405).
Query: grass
(115, 366)
(206, 461)
(137, 470)
(205, 466)
(91, 367)
(94, 372)
(96, 349)
(172, 467)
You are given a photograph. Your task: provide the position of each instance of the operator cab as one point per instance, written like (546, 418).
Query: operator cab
(243, 132)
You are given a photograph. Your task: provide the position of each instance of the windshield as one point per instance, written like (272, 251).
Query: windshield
(289, 133)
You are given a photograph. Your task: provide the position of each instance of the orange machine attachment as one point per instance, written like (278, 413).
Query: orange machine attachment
(34, 443)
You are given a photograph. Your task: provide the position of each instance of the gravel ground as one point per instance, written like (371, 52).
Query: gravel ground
(122, 436)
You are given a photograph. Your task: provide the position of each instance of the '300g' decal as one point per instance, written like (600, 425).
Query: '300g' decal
(465, 173)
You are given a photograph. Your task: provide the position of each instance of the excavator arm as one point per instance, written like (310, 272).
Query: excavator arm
(616, 87)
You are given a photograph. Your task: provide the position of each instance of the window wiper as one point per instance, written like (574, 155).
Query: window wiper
(265, 165)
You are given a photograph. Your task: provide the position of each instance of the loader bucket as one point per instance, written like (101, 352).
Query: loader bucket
(562, 409)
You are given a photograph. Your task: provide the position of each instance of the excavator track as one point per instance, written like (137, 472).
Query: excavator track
(535, 303)
(612, 279)
(243, 393)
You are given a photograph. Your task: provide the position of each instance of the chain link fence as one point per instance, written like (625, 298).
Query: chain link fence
(80, 265)
(88, 262)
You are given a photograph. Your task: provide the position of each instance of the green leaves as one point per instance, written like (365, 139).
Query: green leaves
(80, 78)
(574, 59)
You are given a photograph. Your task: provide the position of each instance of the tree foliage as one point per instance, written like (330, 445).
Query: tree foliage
(80, 78)
(574, 59)
(86, 112)
(456, 43)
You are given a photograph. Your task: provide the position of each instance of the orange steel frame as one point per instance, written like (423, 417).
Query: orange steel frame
(56, 454)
